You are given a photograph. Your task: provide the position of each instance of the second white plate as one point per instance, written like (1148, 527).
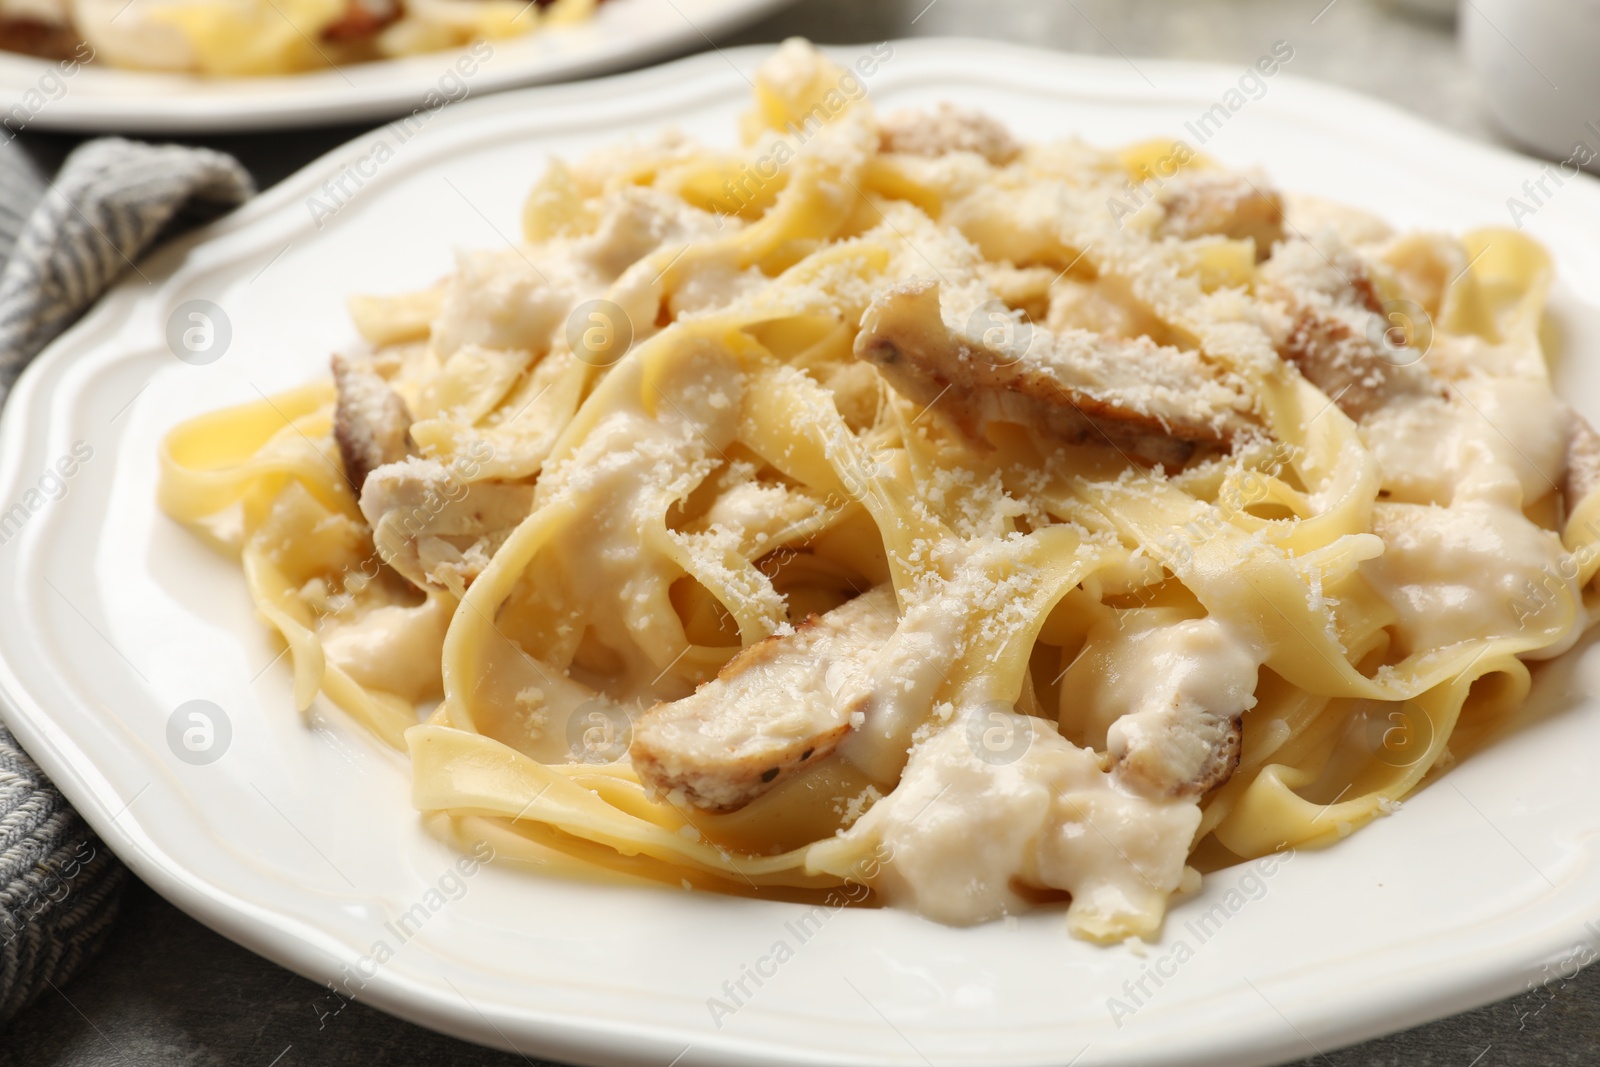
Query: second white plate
(97, 98)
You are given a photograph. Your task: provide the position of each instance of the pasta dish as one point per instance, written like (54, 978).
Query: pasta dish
(249, 37)
(887, 502)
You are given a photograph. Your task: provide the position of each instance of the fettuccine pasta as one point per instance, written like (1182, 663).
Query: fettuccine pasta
(889, 502)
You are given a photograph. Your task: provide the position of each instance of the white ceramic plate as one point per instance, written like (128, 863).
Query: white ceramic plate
(100, 98)
(300, 844)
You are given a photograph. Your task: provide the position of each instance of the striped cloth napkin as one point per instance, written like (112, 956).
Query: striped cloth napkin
(62, 243)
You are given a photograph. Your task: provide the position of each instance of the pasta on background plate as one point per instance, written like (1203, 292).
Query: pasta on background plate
(890, 502)
(265, 37)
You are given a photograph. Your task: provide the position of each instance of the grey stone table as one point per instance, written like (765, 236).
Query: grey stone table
(169, 991)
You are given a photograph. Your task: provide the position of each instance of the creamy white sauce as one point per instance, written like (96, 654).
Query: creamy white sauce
(623, 474)
(521, 298)
(1499, 439)
(760, 514)
(898, 687)
(394, 649)
(967, 821)
(1462, 561)
(1467, 572)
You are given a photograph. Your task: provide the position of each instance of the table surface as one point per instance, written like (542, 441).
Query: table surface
(169, 991)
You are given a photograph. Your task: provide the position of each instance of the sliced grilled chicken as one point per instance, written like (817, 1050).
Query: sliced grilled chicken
(370, 421)
(1202, 203)
(771, 710)
(1336, 328)
(434, 526)
(1583, 463)
(1181, 733)
(47, 40)
(948, 128)
(1183, 750)
(363, 19)
(1145, 399)
(38, 28)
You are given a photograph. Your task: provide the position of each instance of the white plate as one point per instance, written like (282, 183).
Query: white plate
(100, 98)
(300, 844)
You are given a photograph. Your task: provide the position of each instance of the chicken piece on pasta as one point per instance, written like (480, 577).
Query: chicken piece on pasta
(948, 128)
(1165, 698)
(434, 525)
(1154, 402)
(1583, 463)
(371, 423)
(363, 19)
(1183, 738)
(1336, 332)
(1202, 203)
(772, 710)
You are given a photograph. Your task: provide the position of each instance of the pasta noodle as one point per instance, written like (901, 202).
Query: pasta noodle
(986, 523)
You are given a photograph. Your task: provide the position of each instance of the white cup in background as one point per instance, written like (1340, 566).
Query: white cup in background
(1538, 67)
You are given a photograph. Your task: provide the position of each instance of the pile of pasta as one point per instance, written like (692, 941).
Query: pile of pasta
(683, 418)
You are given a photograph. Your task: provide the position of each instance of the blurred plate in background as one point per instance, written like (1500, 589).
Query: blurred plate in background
(97, 98)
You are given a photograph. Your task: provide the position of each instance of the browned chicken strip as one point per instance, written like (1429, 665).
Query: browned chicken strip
(1336, 327)
(370, 421)
(363, 19)
(434, 526)
(1202, 203)
(948, 128)
(1583, 463)
(1183, 750)
(1170, 697)
(34, 37)
(771, 710)
(1145, 399)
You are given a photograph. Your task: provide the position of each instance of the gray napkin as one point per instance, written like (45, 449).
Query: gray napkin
(62, 243)
(78, 234)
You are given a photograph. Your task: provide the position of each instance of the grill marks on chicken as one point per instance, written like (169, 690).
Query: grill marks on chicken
(363, 19)
(770, 711)
(1583, 463)
(1335, 330)
(435, 527)
(1205, 203)
(948, 128)
(370, 421)
(1155, 402)
(1334, 327)
(37, 37)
